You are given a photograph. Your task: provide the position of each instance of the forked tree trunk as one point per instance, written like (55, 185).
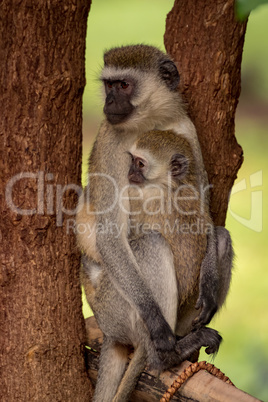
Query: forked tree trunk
(42, 77)
(206, 41)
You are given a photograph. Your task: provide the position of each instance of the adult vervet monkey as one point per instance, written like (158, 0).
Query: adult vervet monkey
(140, 84)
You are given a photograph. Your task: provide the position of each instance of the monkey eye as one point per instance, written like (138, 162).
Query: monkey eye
(109, 84)
(124, 85)
(139, 163)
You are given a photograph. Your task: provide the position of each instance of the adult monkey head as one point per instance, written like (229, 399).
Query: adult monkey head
(140, 84)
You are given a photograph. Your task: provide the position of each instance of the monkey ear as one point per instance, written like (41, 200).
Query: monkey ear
(169, 74)
(179, 165)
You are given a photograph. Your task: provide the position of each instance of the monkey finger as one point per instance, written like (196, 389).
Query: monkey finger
(199, 304)
(208, 310)
(212, 349)
(203, 319)
(214, 340)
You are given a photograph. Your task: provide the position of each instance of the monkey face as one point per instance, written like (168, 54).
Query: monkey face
(138, 170)
(118, 106)
(139, 81)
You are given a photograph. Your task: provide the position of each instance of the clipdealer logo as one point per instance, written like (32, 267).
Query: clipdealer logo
(255, 221)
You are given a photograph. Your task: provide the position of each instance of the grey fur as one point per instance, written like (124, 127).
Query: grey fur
(125, 294)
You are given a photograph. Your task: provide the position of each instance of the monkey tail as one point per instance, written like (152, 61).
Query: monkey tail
(134, 370)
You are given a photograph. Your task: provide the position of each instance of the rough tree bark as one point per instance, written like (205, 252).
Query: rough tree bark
(206, 41)
(42, 77)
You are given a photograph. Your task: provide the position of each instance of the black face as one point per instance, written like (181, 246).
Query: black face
(118, 105)
(137, 170)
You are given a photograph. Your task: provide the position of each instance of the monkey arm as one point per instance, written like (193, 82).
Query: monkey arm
(123, 271)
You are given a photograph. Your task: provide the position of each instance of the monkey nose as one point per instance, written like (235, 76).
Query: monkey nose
(110, 98)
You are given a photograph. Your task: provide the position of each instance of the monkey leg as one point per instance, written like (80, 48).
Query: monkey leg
(112, 364)
(225, 262)
(207, 301)
(215, 275)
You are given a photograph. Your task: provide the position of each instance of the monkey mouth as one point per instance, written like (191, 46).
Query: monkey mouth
(117, 118)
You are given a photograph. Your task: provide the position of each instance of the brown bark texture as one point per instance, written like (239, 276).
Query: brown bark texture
(206, 41)
(42, 77)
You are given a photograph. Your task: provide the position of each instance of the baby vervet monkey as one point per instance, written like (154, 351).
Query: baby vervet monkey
(166, 197)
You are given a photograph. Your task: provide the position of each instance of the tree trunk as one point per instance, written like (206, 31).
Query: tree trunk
(42, 77)
(206, 41)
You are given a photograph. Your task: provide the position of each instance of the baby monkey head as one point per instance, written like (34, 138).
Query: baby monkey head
(158, 156)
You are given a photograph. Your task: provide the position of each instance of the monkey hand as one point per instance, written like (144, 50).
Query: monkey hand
(197, 338)
(208, 307)
(186, 346)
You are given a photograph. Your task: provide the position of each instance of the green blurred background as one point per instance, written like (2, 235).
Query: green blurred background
(243, 322)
